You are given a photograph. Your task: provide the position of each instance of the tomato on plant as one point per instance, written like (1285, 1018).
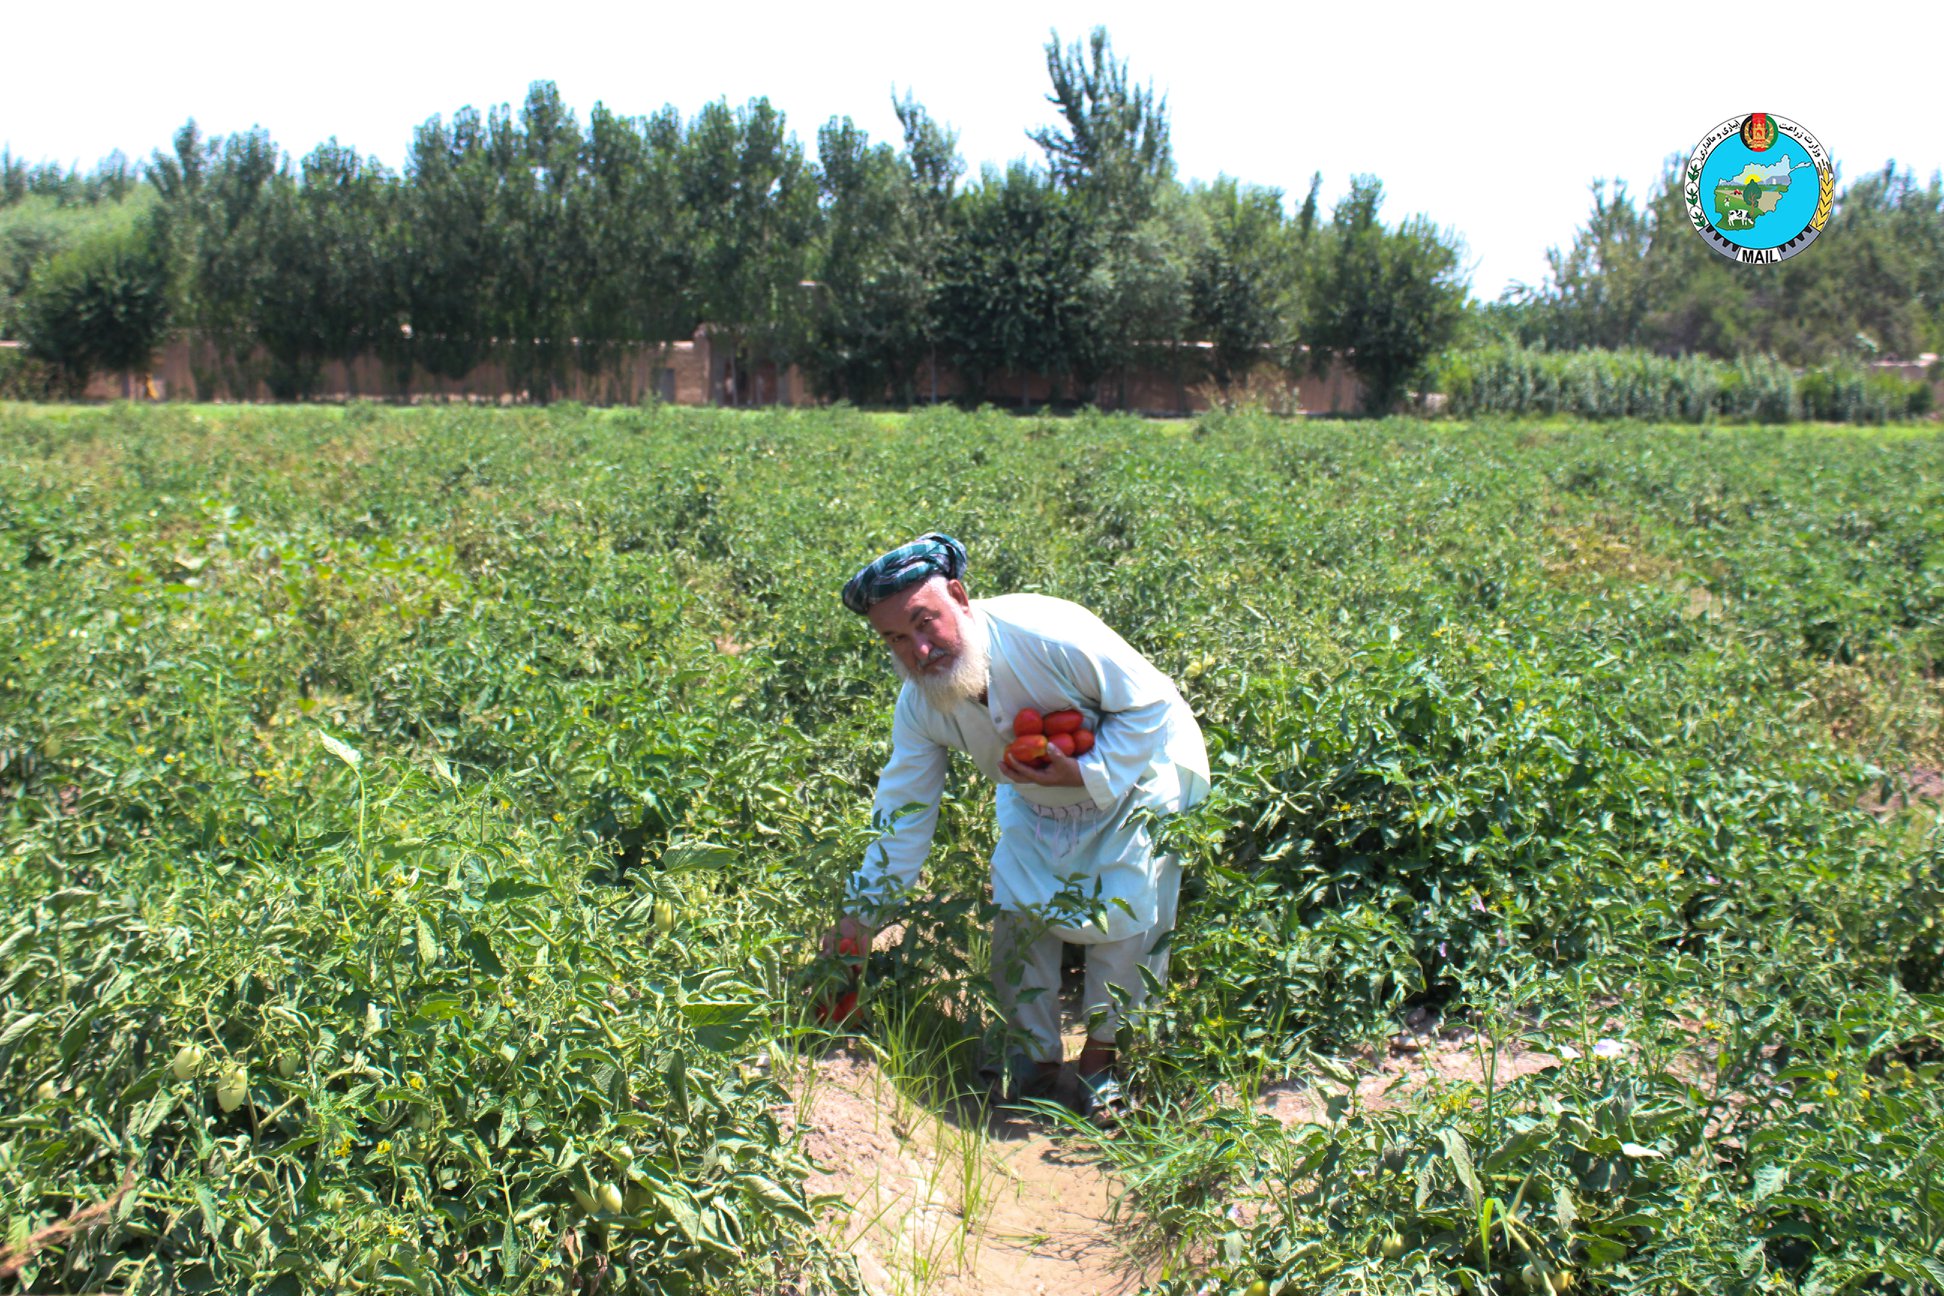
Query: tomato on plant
(839, 1012)
(232, 1087)
(187, 1061)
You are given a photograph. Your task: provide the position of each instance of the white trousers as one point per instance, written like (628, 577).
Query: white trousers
(1026, 971)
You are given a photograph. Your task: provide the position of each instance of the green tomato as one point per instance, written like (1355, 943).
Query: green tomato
(1535, 1277)
(47, 1092)
(664, 917)
(1260, 1287)
(232, 1087)
(286, 1065)
(186, 1063)
(1392, 1246)
(610, 1198)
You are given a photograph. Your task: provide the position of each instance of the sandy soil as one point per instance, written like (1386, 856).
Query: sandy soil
(955, 1203)
(1040, 1214)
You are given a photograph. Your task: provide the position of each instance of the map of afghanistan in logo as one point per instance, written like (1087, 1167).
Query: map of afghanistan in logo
(1759, 188)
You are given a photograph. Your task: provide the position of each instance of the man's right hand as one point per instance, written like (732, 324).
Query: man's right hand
(850, 938)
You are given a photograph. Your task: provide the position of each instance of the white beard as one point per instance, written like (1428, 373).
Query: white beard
(965, 679)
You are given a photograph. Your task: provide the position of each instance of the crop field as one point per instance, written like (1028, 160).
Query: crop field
(416, 826)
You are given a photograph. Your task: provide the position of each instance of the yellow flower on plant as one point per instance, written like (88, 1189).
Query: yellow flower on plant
(416, 1082)
(383, 1148)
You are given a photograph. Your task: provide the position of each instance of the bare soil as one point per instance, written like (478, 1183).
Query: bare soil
(1038, 1215)
(959, 1202)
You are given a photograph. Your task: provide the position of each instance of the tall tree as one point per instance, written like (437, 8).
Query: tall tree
(1384, 300)
(1243, 280)
(101, 305)
(1015, 292)
(1143, 295)
(754, 200)
(641, 269)
(874, 288)
(448, 252)
(1599, 291)
(932, 158)
(543, 271)
(328, 287)
(1113, 148)
(218, 205)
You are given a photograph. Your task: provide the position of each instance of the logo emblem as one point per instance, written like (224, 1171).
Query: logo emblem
(1759, 188)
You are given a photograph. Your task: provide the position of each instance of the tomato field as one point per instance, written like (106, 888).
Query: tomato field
(418, 825)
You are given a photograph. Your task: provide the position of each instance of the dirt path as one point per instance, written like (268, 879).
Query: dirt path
(954, 1207)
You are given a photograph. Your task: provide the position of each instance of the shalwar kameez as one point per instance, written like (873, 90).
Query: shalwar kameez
(1071, 863)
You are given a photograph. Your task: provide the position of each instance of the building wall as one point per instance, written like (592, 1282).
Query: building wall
(696, 372)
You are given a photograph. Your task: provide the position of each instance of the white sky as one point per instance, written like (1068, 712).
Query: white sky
(1493, 120)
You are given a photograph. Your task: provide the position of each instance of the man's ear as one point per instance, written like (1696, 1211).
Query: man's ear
(957, 590)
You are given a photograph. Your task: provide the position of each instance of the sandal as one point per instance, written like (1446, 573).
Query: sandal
(1102, 1100)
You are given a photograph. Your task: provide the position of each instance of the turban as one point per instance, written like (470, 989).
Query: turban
(929, 555)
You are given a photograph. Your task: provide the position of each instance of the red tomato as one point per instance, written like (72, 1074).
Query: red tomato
(1065, 742)
(1064, 722)
(1082, 742)
(836, 1014)
(1026, 723)
(1030, 750)
(847, 947)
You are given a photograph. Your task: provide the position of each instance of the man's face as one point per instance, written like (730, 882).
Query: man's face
(924, 627)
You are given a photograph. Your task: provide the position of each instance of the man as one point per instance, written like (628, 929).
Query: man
(1071, 862)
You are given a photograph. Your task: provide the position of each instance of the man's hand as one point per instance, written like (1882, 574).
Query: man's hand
(1063, 772)
(850, 931)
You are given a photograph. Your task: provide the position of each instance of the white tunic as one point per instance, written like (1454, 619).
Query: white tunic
(1079, 844)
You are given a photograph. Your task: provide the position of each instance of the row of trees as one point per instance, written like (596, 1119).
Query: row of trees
(531, 238)
(1636, 276)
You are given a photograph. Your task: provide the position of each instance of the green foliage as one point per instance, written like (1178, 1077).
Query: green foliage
(1242, 280)
(37, 227)
(100, 305)
(1565, 733)
(1512, 379)
(1385, 301)
(1015, 283)
(874, 277)
(1113, 151)
(1638, 277)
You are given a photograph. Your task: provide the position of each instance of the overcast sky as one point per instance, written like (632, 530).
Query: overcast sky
(1492, 120)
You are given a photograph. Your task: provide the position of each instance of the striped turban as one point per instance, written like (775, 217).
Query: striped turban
(929, 555)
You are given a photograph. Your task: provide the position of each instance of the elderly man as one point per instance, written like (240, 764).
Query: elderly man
(1073, 862)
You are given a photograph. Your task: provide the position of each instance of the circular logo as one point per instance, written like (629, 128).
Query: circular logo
(1759, 188)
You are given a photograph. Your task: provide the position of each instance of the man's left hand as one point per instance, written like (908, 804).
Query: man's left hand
(1064, 771)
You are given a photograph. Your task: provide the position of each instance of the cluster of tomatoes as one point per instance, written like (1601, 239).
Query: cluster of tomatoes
(835, 1012)
(1034, 735)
